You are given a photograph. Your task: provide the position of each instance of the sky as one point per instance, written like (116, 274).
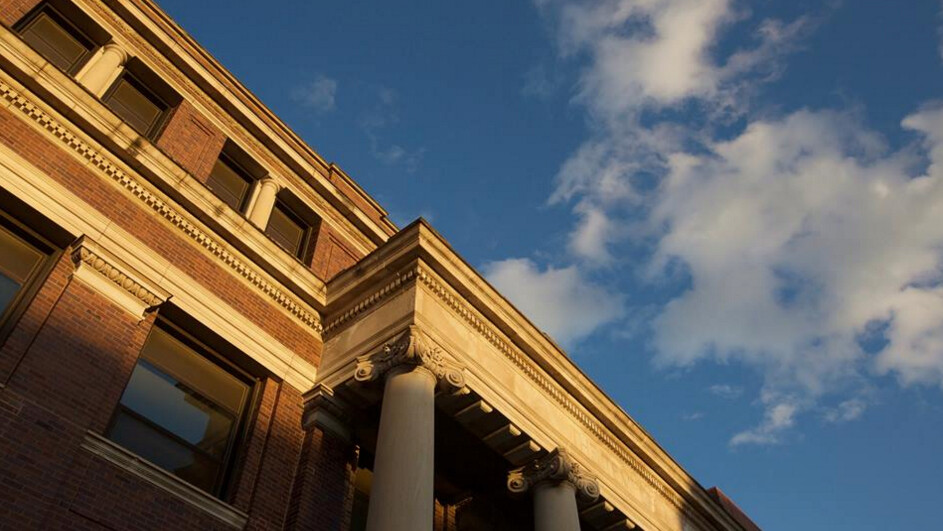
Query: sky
(729, 213)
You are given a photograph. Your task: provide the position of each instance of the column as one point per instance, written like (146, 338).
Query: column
(264, 203)
(401, 497)
(555, 481)
(103, 69)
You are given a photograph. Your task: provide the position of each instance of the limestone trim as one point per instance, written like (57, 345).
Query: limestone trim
(326, 412)
(555, 467)
(417, 273)
(411, 349)
(103, 162)
(114, 279)
(160, 478)
(253, 125)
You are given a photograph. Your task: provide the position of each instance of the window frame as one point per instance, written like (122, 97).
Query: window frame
(307, 229)
(135, 81)
(37, 278)
(46, 8)
(243, 173)
(232, 461)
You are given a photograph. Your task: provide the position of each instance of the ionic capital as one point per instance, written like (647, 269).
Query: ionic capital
(555, 467)
(411, 350)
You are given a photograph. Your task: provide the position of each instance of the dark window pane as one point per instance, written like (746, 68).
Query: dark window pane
(18, 261)
(228, 183)
(54, 42)
(285, 230)
(134, 106)
(151, 444)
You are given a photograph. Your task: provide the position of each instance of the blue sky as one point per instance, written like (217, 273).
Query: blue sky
(729, 212)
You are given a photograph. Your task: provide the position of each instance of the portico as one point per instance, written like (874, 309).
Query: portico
(414, 334)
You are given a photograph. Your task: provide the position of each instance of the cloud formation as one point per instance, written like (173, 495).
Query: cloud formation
(561, 302)
(812, 251)
(317, 95)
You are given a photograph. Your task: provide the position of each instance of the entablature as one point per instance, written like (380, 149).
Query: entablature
(417, 280)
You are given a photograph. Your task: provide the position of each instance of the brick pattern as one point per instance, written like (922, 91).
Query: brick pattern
(11, 11)
(191, 141)
(323, 492)
(336, 176)
(331, 255)
(164, 240)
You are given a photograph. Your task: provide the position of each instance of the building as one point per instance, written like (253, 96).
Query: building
(205, 325)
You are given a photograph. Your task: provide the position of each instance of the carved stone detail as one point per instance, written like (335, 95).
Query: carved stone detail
(411, 349)
(100, 264)
(555, 467)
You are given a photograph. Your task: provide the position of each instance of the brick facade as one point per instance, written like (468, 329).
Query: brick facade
(191, 141)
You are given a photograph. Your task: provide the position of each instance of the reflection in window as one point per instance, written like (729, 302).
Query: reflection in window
(61, 43)
(20, 262)
(181, 411)
(287, 229)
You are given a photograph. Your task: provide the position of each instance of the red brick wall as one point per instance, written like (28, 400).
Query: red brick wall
(323, 494)
(12, 11)
(331, 254)
(166, 241)
(191, 141)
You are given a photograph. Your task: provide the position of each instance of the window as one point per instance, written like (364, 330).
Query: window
(23, 261)
(181, 410)
(141, 108)
(56, 39)
(288, 229)
(233, 176)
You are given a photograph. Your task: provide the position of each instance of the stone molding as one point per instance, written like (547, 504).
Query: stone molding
(327, 412)
(160, 478)
(408, 351)
(116, 281)
(418, 273)
(555, 467)
(102, 162)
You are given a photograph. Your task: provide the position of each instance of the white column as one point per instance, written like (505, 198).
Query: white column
(555, 507)
(401, 497)
(264, 203)
(103, 69)
(555, 481)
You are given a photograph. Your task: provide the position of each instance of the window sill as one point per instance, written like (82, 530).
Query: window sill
(160, 478)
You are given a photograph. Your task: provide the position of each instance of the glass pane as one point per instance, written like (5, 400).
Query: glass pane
(18, 260)
(54, 42)
(133, 106)
(175, 407)
(228, 184)
(163, 451)
(178, 360)
(285, 231)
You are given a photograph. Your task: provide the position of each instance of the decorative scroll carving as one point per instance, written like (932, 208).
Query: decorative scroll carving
(84, 255)
(411, 349)
(555, 467)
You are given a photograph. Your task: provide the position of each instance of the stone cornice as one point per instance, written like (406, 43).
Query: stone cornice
(555, 467)
(103, 162)
(184, 64)
(426, 260)
(411, 349)
(87, 254)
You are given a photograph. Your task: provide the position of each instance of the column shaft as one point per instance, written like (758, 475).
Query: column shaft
(103, 70)
(264, 203)
(555, 507)
(401, 497)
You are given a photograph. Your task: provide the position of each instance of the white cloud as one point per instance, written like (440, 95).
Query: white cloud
(778, 418)
(562, 302)
(813, 251)
(727, 391)
(318, 95)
